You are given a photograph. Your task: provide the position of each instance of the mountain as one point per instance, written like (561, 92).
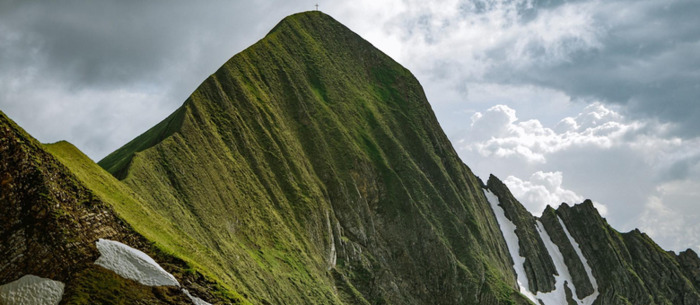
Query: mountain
(594, 263)
(301, 165)
(50, 220)
(308, 169)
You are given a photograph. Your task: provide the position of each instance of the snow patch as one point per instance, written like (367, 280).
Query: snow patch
(31, 289)
(132, 264)
(591, 298)
(512, 241)
(195, 300)
(333, 255)
(136, 265)
(564, 278)
(558, 295)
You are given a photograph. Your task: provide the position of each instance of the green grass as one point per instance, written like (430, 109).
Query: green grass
(308, 138)
(97, 285)
(165, 235)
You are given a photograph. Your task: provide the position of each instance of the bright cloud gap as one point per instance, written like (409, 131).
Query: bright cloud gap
(599, 147)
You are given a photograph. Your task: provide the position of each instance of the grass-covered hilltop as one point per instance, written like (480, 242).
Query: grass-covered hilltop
(309, 169)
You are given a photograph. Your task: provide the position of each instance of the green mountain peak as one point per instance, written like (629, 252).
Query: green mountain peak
(310, 169)
(302, 161)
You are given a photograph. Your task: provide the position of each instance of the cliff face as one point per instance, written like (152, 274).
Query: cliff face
(311, 169)
(596, 263)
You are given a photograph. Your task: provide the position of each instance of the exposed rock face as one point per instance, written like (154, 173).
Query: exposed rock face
(578, 272)
(49, 223)
(538, 265)
(690, 264)
(630, 267)
(625, 268)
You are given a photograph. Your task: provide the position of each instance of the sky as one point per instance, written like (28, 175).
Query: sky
(562, 100)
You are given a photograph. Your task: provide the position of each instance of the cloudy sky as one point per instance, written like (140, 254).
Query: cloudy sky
(563, 100)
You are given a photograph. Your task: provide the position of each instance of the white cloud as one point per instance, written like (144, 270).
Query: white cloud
(78, 72)
(543, 189)
(670, 214)
(498, 132)
(636, 173)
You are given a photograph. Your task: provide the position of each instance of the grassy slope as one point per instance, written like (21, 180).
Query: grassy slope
(55, 205)
(117, 161)
(309, 149)
(167, 237)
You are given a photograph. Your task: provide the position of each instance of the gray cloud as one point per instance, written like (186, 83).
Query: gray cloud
(648, 59)
(98, 73)
(79, 70)
(632, 168)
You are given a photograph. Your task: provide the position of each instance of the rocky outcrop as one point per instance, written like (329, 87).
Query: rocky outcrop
(553, 226)
(690, 264)
(600, 264)
(539, 267)
(628, 268)
(605, 250)
(49, 222)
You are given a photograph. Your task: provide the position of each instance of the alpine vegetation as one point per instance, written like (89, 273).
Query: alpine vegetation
(308, 169)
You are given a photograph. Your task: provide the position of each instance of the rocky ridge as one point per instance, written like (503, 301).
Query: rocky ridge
(310, 169)
(49, 222)
(627, 268)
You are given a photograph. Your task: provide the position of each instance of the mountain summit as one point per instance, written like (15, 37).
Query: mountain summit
(308, 169)
(311, 169)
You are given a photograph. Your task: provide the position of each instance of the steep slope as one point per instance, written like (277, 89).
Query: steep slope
(164, 235)
(594, 263)
(49, 223)
(313, 170)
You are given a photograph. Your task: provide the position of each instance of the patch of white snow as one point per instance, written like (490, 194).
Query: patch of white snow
(195, 300)
(558, 295)
(31, 289)
(333, 255)
(512, 241)
(132, 264)
(591, 298)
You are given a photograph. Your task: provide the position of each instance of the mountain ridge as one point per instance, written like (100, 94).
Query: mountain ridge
(627, 268)
(50, 219)
(311, 169)
(333, 121)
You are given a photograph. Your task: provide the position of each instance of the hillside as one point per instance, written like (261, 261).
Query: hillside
(50, 220)
(308, 169)
(303, 162)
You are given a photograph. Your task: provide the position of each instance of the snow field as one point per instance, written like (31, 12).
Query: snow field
(133, 264)
(512, 241)
(589, 272)
(31, 289)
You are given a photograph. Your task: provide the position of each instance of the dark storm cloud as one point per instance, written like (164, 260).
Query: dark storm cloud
(77, 70)
(108, 43)
(649, 60)
(84, 45)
